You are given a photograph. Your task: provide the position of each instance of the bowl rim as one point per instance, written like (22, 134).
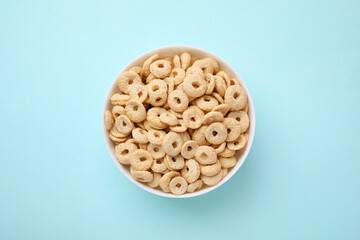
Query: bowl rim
(240, 159)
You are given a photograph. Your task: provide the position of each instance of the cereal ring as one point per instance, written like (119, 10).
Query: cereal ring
(123, 124)
(128, 79)
(218, 97)
(220, 85)
(194, 86)
(119, 99)
(178, 75)
(169, 118)
(178, 101)
(141, 176)
(233, 129)
(177, 114)
(189, 148)
(157, 90)
(153, 118)
(237, 144)
(180, 127)
(143, 146)
(234, 82)
(156, 136)
(118, 110)
(147, 125)
(225, 76)
(223, 108)
(219, 148)
(216, 133)
(210, 83)
(123, 152)
(205, 155)
(199, 135)
(211, 117)
(155, 182)
(185, 136)
(109, 120)
(145, 71)
(155, 150)
(136, 69)
(204, 65)
(117, 134)
(206, 102)
(169, 59)
(185, 60)
(165, 180)
(193, 117)
(227, 162)
(193, 59)
(214, 64)
(236, 97)
(224, 172)
(178, 185)
(174, 162)
(141, 160)
(213, 180)
(139, 93)
(195, 71)
(159, 165)
(117, 140)
(139, 135)
(172, 143)
(191, 171)
(242, 118)
(170, 83)
(246, 108)
(227, 153)
(131, 140)
(150, 78)
(166, 106)
(176, 61)
(195, 186)
(160, 68)
(210, 170)
(135, 111)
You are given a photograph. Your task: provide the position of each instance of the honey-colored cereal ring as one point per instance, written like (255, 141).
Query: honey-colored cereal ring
(135, 111)
(145, 71)
(178, 101)
(177, 114)
(195, 186)
(117, 134)
(236, 97)
(218, 97)
(227, 153)
(141, 176)
(219, 148)
(210, 83)
(214, 64)
(117, 140)
(150, 78)
(143, 146)
(158, 99)
(211, 117)
(233, 129)
(193, 59)
(157, 90)
(246, 108)
(155, 182)
(140, 125)
(216, 133)
(136, 69)
(242, 118)
(194, 86)
(139, 135)
(204, 65)
(160, 68)
(131, 140)
(180, 127)
(178, 185)
(119, 99)
(123, 152)
(210, 170)
(169, 118)
(227, 162)
(220, 85)
(223, 108)
(191, 171)
(141, 160)
(169, 59)
(172, 143)
(170, 82)
(118, 110)
(224, 172)
(156, 136)
(165, 180)
(178, 75)
(234, 82)
(199, 135)
(213, 180)
(176, 61)
(147, 125)
(185, 60)
(195, 71)
(109, 120)
(128, 79)
(123, 124)
(193, 117)
(153, 118)
(139, 93)
(206, 102)
(205, 155)
(155, 150)
(159, 165)
(189, 148)
(185, 136)
(225, 76)
(237, 144)
(174, 162)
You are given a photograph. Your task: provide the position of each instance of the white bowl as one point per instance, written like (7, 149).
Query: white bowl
(170, 51)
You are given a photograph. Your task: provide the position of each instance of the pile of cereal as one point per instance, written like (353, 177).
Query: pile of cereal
(178, 122)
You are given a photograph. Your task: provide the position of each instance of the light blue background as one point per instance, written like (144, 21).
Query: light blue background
(300, 60)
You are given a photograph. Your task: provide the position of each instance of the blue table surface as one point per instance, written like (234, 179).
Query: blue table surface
(300, 60)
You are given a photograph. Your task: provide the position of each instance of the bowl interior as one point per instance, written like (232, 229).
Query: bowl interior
(170, 51)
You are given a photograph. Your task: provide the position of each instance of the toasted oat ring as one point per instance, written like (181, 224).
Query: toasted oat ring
(223, 108)
(233, 129)
(139, 135)
(178, 75)
(180, 127)
(178, 101)
(176, 61)
(150, 78)
(219, 148)
(174, 162)
(170, 83)
(216, 133)
(180, 87)
(246, 108)
(211, 117)
(236, 97)
(227, 153)
(118, 110)
(119, 99)
(139, 93)
(147, 126)
(185, 60)
(123, 152)
(193, 117)
(191, 170)
(234, 82)
(242, 118)
(160, 68)
(214, 64)
(195, 186)
(153, 118)
(159, 165)
(218, 97)
(172, 143)
(114, 131)
(141, 160)
(194, 86)
(225, 76)
(157, 90)
(143, 146)
(117, 140)
(205, 155)
(204, 65)
(193, 59)
(165, 180)
(141, 176)
(145, 71)
(206, 102)
(124, 124)
(177, 114)
(195, 71)
(210, 170)
(178, 185)
(136, 69)
(199, 135)
(169, 118)
(227, 162)
(156, 179)
(158, 99)
(135, 111)
(224, 172)
(238, 143)
(220, 85)
(185, 136)
(155, 150)
(210, 83)
(213, 180)
(189, 148)
(109, 120)
(128, 79)
(156, 136)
